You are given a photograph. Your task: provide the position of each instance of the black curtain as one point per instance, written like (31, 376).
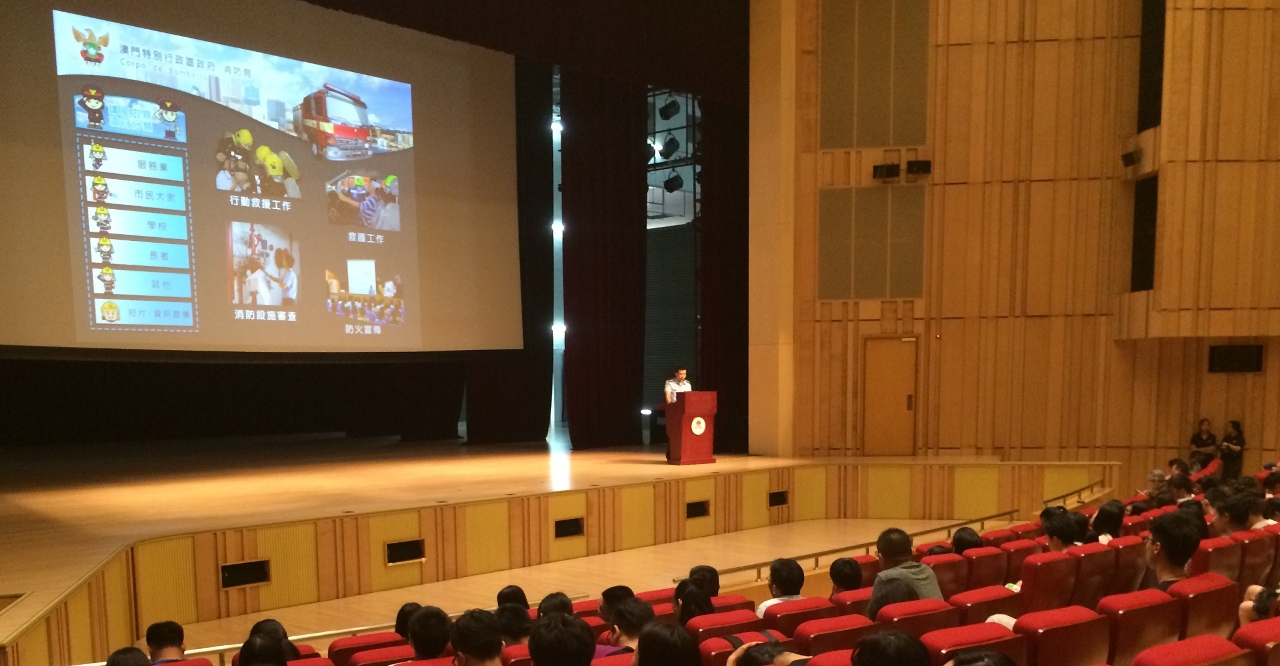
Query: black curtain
(603, 201)
(509, 398)
(723, 254)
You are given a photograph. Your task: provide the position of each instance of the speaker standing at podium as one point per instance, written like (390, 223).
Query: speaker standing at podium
(678, 384)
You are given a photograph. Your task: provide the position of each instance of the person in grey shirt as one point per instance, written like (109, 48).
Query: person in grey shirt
(894, 552)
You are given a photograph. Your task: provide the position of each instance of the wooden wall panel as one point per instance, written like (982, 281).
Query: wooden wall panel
(292, 551)
(165, 581)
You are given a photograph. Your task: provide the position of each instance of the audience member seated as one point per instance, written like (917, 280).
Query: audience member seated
(894, 550)
(691, 601)
(1239, 512)
(1106, 523)
(1271, 509)
(891, 591)
(476, 639)
(1139, 508)
(1081, 523)
(1196, 511)
(707, 579)
(1177, 466)
(274, 631)
(266, 650)
(1181, 488)
(786, 578)
(1174, 539)
(556, 602)
(610, 598)
(406, 612)
(1163, 498)
(1206, 483)
(428, 633)
(166, 641)
(1271, 485)
(1060, 530)
(663, 644)
(130, 656)
(938, 549)
(514, 623)
(1155, 479)
(1051, 511)
(629, 617)
(964, 539)
(891, 648)
(513, 594)
(560, 639)
(845, 575)
(763, 654)
(981, 658)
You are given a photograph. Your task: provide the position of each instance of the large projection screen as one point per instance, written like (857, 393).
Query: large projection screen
(253, 176)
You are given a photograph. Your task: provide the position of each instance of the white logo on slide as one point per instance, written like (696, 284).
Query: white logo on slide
(698, 426)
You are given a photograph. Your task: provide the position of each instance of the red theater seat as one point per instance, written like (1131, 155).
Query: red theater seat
(304, 652)
(588, 608)
(657, 596)
(924, 547)
(728, 602)
(919, 617)
(1028, 531)
(341, 650)
(1071, 636)
(382, 656)
(442, 661)
(1133, 525)
(723, 624)
(833, 633)
(1048, 579)
(1220, 555)
(853, 601)
(870, 565)
(1140, 620)
(787, 615)
(994, 538)
(310, 661)
(197, 661)
(978, 605)
(1257, 555)
(1262, 638)
(944, 643)
(664, 613)
(1097, 568)
(1131, 564)
(837, 658)
(1210, 601)
(986, 566)
(516, 655)
(1019, 550)
(624, 659)
(952, 572)
(716, 651)
(597, 625)
(1198, 651)
(1088, 511)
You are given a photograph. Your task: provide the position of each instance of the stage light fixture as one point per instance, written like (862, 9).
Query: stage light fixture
(557, 229)
(646, 412)
(673, 183)
(670, 146)
(669, 109)
(557, 126)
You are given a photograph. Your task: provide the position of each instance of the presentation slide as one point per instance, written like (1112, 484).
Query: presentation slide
(359, 196)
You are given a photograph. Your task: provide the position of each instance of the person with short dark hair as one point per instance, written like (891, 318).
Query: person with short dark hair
(263, 649)
(556, 602)
(610, 598)
(763, 654)
(980, 657)
(892, 591)
(1081, 523)
(1138, 508)
(273, 630)
(1060, 528)
(630, 617)
(129, 656)
(845, 575)
(938, 549)
(1204, 445)
(559, 639)
(1163, 498)
(1232, 454)
(1106, 523)
(964, 539)
(514, 623)
(786, 579)
(1051, 510)
(1207, 483)
(428, 632)
(691, 601)
(707, 579)
(1174, 539)
(663, 644)
(166, 642)
(891, 648)
(1181, 488)
(1240, 512)
(513, 594)
(893, 548)
(1196, 511)
(476, 639)
(1271, 509)
(402, 618)
(1177, 466)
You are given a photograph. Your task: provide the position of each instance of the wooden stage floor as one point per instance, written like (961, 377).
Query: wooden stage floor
(65, 510)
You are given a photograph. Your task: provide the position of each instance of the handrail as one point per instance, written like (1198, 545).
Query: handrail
(866, 547)
(1078, 492)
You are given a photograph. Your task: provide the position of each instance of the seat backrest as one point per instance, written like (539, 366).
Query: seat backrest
(919, 617)
(723, 624)
(1220, 555)
(853, 601)
(382, 656)
(952, 572)
(837, 658)
(1262, 638)
(1048, 579)
(442, 661)
(1097, 568)
(944, 643)
(587, 608)
(665, 594)
(624, 659)
(310, 661)
(870, 565)
(341, 649)
(516, 655)
(833, 633)
(1211, 602)
(785, 616)
(598, 626)
(1257, 556)
(1138, 621)
(1027, 531)
(987, 566)
(1071, 636)
(196, 661)
(1019, 550)
(728, 602)
(1198, 651)
(664, 613)
(978, 605)
(1133, 525)
(1151, 515)
(1131, 564)
(924, 547)
(716, 651)
(994, 538)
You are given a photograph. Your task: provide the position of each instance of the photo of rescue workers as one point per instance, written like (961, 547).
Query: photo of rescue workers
(255, 169)
(364, 199)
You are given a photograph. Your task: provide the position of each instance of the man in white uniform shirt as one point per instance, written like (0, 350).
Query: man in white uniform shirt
(678, 384)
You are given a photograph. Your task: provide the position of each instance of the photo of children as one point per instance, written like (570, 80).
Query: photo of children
(365, 295)
(255, 170)
(364, 199)
(263, 265)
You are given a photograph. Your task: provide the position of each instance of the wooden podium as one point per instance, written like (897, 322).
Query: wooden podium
(691, 428)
